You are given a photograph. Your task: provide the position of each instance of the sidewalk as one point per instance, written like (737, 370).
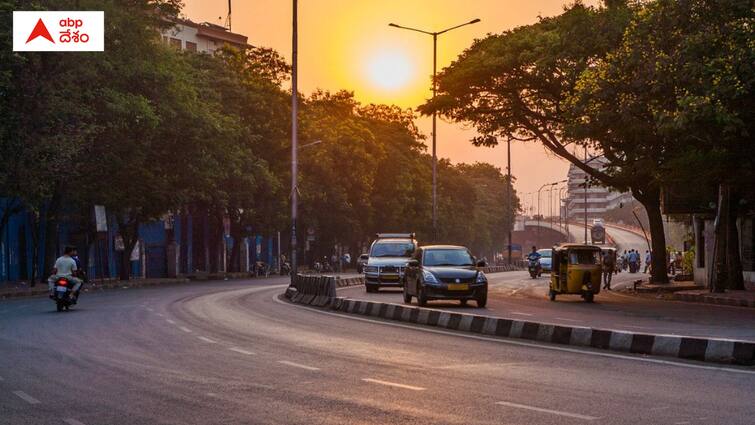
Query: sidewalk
(731, 298)
(23, 289)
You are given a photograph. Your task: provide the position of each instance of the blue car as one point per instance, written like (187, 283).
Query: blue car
(545, 259)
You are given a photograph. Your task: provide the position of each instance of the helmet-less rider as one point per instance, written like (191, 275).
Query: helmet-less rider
(66, 266)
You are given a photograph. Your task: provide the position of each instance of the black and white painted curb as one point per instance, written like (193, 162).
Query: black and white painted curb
(711, 299)
(703, 349)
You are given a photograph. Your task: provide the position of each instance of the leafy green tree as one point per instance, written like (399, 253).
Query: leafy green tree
(676, 98)
(518, 85)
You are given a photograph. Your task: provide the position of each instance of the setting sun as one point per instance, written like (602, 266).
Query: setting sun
(390, 70)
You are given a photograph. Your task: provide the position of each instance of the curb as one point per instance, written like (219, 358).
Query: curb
(688, 348)
(43, 291)
(708, 299)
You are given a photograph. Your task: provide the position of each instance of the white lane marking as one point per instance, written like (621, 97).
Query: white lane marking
(26, 397)
(160, 315)
(207, 340)
(72, 421)
(301, 366)
(150, 309)
(553, 412)
(239, 350)
(519, 343)
(633, 326)
(1, 379)
(187, 330)
(393, 384)
(170, 321)
(568, 320)
(521, 314)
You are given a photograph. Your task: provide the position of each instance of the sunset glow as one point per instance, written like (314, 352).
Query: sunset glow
(390, 70)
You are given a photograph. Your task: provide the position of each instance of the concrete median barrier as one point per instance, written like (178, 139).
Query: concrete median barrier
(682, 347)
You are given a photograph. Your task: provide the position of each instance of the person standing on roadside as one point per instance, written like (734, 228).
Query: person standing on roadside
(648, 260)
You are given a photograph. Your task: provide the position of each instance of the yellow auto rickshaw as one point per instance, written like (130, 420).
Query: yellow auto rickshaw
(576, 269)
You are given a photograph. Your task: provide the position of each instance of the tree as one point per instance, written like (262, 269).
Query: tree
(680, 88)
(517, 85)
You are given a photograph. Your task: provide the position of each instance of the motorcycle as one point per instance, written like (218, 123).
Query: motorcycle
(63, 293)
(534, 267)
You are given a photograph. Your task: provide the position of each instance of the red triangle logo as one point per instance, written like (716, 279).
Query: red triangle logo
(40, 30)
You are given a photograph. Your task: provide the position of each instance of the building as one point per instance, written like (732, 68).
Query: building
(599, 198)
(201, 37)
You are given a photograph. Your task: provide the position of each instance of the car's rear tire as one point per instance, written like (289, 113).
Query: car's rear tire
(371, 288)
(463, 302)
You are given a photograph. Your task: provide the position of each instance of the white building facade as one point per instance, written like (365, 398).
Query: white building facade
(201, 37)
(593, 201)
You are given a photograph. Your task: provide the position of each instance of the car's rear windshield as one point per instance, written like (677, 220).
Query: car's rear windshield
(584, 257)
(447, 257)
(392, 249)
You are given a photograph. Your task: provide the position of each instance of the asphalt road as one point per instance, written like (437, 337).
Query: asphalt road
(233, 353)
(516, 295)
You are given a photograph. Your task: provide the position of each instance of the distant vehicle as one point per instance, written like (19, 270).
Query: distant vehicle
(598, 232)
(361, 262)
(63, 293)
(546, 255)
(387, 260)
(443, 272)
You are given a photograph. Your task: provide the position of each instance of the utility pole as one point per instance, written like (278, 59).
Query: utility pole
(294, 137)
(508, 190)
(586, 175)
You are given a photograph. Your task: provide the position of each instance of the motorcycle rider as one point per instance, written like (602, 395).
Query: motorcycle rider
(535, 256)
(65, 266)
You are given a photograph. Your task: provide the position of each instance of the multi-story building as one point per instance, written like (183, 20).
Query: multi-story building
(599, 199)
(201, 37)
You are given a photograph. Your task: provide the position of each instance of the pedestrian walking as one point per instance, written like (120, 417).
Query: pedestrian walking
(609, 264)
(648, 260)
(671, 265)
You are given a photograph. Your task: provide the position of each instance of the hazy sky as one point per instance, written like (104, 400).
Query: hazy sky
(347, 44)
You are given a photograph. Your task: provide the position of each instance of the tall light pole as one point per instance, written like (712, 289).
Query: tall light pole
(586, 176)
(294, 136)
(508, 192)
(435, 89)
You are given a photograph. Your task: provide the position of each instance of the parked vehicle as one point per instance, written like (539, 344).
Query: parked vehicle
(445, 272)
(576, 270)
(387, 260)
(361, 262)
(63, 293)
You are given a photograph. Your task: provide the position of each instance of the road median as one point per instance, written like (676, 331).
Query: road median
(320, 293)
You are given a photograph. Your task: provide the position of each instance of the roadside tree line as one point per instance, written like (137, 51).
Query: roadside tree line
(663, 89)
(146, 130)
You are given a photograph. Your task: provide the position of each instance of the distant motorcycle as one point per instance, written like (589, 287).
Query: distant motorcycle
(63, 293)
(534, 267)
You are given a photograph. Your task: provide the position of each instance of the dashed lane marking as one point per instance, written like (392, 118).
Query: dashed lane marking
(521, 314)
(299, 365)
(150, 309)
(207, 340)
(393, 384)
(552, 412)
(72, 421)
(170, 321)
(1, 379)
(26, 397)
(187, 330)
(239, 350)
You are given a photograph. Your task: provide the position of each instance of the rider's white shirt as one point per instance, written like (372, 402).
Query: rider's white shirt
(65, 266)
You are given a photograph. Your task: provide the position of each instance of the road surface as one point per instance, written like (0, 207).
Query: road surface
(233, 353)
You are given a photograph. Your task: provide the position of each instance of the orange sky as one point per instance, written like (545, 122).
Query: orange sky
(340, 40)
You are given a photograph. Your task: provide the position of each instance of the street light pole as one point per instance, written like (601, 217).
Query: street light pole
(586, 175)
(538, 213)
(508, 190)
(294, 136)
(435, 115)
